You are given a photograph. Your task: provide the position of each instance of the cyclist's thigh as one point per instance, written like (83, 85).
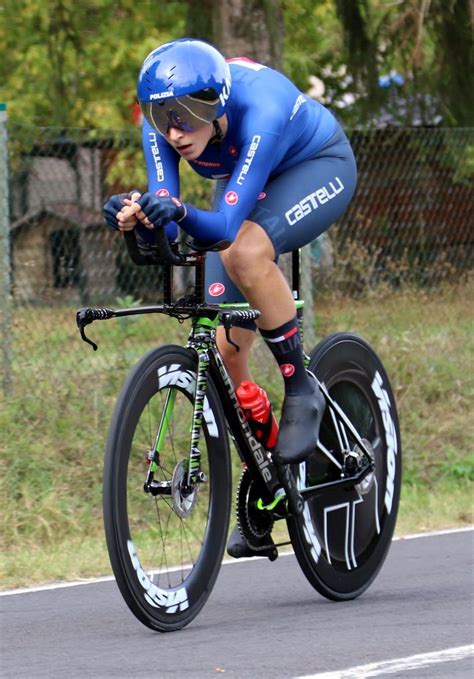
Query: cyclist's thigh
(219, 288)
(300, 204)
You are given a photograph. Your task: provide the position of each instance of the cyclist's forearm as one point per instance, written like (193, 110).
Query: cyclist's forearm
(161, 163)
(207, 227)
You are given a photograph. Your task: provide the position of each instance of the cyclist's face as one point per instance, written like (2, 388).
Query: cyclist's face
(190, 145)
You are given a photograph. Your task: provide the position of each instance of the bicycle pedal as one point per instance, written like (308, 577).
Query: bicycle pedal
(238, 547)
(246, 552)
(270, 551)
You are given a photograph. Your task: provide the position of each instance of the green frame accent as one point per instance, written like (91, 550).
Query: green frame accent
(205, 322)
(279, 496)
(163, 428)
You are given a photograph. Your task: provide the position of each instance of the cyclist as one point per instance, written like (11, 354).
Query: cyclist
(285, 172)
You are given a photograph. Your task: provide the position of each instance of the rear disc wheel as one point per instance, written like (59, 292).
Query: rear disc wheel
(343, 535)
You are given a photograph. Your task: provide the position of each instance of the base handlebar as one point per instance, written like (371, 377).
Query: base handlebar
(161, 252)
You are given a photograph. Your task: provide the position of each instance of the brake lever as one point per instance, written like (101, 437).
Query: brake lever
(226, 319)
(86, 339)
(82, 319)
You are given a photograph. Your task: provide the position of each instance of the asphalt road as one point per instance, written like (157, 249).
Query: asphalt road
(262, 620)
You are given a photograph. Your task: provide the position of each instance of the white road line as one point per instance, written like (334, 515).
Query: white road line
(226, 562)
(433, 533)
(412, 662)
(56, 585)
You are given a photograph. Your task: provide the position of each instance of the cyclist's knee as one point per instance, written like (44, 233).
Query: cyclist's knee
(247, 255)
(239, 264)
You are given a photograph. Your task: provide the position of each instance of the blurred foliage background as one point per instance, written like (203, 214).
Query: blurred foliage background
(375, 63)
(74, 64)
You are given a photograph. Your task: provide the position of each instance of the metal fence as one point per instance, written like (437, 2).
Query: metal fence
(413, 214)
(410, 221)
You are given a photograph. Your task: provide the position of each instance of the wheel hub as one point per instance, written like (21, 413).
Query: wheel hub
(365, 486)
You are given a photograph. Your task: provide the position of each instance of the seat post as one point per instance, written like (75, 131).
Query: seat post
(199, 279)
(295, 273)
(295, 285)
(167, 284)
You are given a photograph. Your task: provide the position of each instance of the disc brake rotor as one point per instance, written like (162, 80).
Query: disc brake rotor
(183, 501)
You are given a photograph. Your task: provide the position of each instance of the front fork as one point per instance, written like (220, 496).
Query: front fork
(150, 485)
(194, 474)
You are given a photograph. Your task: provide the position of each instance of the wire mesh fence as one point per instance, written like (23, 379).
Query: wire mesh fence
(410, 221)
(413, 215)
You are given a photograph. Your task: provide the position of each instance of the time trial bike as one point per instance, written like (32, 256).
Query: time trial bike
(167, 473)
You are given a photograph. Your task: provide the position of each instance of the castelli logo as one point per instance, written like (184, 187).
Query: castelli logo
(216, 289)
(177, 202)
(287, 369)
(233, 151)
(162, 193)
(262, 195)
(231, 198)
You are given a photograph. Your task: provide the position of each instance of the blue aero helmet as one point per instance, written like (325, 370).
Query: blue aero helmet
(183, 84)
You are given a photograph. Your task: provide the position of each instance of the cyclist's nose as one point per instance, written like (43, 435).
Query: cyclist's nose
(174, 133)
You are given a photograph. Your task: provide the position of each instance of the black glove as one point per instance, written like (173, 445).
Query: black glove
(114, 205)
(161, 211)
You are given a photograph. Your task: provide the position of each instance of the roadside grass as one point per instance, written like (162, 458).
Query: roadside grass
(81, 556)
(56, 419)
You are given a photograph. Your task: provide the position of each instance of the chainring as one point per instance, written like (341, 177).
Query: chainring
(255, 524)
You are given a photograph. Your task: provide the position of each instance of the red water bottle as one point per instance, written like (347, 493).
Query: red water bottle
(258, 411)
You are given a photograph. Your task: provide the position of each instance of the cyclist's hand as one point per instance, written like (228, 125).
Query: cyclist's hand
(160, 211)
(128, 215)
(113, 209)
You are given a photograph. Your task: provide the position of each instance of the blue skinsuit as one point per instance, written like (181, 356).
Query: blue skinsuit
(284, 163)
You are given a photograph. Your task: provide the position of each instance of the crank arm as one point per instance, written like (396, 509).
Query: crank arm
(287, 480)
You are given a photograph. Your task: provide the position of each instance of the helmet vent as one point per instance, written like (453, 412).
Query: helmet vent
(146, 77)
(170, 76)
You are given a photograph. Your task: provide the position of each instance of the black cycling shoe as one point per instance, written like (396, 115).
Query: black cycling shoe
(237, 547)
(299, 426)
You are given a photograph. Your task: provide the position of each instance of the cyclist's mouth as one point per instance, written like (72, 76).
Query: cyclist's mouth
(185, 149)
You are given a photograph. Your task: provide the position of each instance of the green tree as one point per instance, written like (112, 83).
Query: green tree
(74, 64)
(251, 28)
(69, 63)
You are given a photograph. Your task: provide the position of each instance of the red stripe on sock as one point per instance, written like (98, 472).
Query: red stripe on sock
(291, 332)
